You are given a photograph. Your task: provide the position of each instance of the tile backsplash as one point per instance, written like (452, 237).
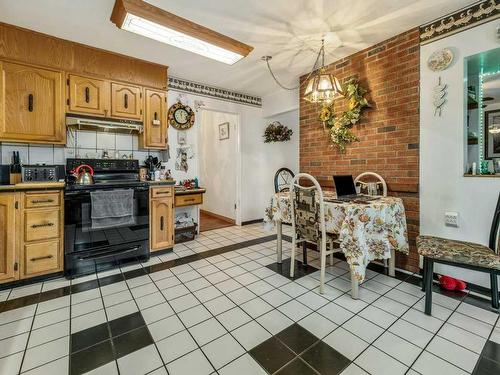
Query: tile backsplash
(80, 143)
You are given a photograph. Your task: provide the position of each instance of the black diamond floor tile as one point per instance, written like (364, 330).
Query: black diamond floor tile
(17, 303)
(482, 302)
(297, 367)
(325, 359)
(284, 269)
(111, 279)
(132, 341)
(126, 323)
(492, 351)
(134, 273)
(486, 366)
(89, 337)
(297, 338)
(55, 293)
(86, 285)
(91, 358)
(272, 354)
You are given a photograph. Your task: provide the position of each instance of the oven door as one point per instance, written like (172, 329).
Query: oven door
(88, 249)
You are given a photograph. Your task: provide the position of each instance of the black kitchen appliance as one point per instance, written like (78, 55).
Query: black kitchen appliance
(39, 173)
(88, 249)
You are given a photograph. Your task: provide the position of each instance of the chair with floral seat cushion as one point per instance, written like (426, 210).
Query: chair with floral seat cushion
(308, 222)
(462, 254)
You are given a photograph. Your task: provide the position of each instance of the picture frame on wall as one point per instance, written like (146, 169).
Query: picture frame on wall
(223, 131)
(181, 137)
(492, 134)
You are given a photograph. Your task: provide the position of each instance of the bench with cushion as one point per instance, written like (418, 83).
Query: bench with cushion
(462, 254)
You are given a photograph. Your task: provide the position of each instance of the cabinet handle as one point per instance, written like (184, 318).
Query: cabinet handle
(87, 94)
(42, 201)
(42, 258)
(189, 200)
(156, 116)
(125, 100)
(16, 266)
(161, 223)
(42, 225)
(30, 102)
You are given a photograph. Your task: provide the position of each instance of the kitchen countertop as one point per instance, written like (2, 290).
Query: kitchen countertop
(162, 182)
(32, 186)
(189, 191)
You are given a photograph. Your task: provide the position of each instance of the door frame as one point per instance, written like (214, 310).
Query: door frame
(236, 132)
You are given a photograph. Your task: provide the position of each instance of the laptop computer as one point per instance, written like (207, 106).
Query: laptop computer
(346, 189)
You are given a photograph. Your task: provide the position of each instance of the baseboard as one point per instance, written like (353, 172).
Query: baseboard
(220, 217)
(252, 221)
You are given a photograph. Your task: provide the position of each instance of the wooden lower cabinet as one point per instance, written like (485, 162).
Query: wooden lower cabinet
(161, 217)
(31, 234)
(8, 254)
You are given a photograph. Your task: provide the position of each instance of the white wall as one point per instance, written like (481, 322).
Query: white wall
(218, 162)
(442, 146)
(280, 101)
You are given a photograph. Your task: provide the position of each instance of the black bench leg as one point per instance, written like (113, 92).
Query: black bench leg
(423, 274)
(304, 251)
(429, 271)
(494, 290)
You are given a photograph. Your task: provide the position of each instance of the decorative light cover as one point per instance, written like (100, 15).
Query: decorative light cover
(322, 87)
(144, 19)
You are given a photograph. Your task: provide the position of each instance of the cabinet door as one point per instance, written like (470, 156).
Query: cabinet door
(32, 108)
(8, 271)
(162, 224)
(126, 101)
(155, 120)
(88, 96)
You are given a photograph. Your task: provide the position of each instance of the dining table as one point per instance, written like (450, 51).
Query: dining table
(366, 229)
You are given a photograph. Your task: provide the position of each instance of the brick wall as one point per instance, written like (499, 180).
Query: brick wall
(388, 132)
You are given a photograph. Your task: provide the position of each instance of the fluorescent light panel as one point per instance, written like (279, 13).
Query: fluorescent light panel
(177, 39)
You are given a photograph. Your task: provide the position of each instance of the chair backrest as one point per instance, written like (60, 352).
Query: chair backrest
(494, 243)
(372, 187)
(282, 179)
(308, 212)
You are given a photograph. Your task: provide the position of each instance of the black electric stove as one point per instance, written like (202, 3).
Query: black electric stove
(89, 248)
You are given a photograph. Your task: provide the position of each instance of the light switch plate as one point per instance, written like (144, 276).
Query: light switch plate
(451, 219)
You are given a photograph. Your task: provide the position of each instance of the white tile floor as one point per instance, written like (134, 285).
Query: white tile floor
(205, 317)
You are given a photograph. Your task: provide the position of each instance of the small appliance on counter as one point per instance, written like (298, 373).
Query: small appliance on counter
(39, 173)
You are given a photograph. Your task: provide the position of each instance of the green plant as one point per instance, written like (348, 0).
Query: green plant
(340, 126)
(276, 132)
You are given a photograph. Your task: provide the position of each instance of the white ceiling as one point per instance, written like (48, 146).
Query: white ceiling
(289, 30)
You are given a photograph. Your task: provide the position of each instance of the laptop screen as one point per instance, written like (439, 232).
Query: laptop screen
(344, 185)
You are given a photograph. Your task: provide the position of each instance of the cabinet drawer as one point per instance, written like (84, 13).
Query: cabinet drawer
(160, 192)
(188, 199)
(41, 224)
(33, 200)
(41, 257)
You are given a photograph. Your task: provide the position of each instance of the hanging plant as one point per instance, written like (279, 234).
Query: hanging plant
(276, 132)
(340, 126)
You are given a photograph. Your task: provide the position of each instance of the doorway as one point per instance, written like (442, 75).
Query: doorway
(219, 165)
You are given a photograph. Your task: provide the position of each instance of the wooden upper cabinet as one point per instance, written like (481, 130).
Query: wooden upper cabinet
(126, 101)
(88, 96)
(155, 120)
(31, 104)
(8, 271)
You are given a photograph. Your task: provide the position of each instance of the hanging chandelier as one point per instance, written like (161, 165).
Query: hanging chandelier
(322, 87)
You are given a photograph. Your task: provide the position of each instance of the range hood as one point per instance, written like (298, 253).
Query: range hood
(101, 124)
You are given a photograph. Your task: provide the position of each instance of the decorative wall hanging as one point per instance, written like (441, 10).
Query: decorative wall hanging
(223, 131)
(440, 60)
(276, 132)
(340, 126)
(181, 137)
(184, 153)
(181, 116)
(439, 97)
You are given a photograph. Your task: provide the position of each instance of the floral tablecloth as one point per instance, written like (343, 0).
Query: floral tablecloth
(366, 231)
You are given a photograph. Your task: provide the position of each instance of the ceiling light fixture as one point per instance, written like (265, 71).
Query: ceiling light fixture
(152, 22)
(322, 87)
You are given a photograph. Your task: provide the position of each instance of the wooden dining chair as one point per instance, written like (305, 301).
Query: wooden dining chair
(308, 222)
(462, 254)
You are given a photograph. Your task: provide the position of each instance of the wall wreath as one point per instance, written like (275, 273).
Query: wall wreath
(340, 126)
(276, 132)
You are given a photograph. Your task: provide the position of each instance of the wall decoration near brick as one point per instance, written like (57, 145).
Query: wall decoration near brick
(388, 132)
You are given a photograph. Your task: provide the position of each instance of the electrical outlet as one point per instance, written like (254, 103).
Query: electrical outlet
(451, 219)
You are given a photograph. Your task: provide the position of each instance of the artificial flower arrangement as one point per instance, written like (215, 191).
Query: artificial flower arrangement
(276, 132)
(340, 126)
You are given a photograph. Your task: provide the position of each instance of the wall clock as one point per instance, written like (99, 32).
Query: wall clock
(181, 116)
